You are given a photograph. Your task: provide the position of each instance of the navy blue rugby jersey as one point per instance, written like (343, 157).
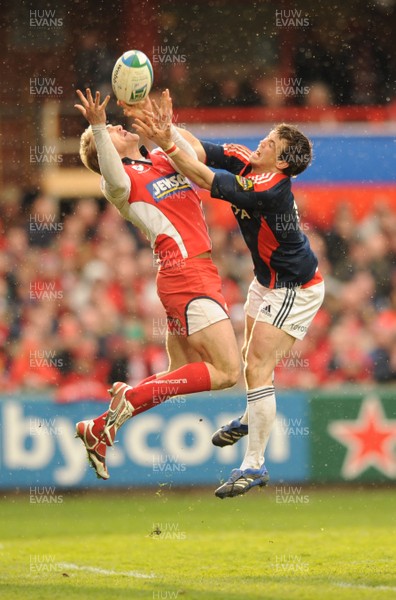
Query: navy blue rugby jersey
(267, 215)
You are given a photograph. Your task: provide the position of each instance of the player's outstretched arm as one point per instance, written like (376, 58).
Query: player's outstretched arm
(192, 168)
(199, 173)
(179, 135)
(117, 184)
(194, 142)
(164, 114)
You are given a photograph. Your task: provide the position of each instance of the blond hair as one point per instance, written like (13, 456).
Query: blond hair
(88, 151)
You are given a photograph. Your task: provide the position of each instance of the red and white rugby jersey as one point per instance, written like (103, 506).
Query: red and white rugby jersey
(165, 207)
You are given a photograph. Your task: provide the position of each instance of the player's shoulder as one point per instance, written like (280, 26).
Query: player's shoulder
(266, 181)
(238, 151)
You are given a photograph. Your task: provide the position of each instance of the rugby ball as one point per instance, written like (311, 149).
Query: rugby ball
(132, 77)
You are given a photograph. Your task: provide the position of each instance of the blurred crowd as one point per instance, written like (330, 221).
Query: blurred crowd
(269, 56)
(79, 310)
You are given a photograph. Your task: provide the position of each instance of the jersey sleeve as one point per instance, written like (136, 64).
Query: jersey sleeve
(244, 193)
(115, 183)
(230, 157)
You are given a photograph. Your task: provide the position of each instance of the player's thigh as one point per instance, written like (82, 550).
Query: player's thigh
(217, 345)
(267, 345)
(284, 315)
(254, 301)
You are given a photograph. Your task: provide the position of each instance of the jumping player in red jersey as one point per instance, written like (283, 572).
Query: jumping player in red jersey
(148, 191)
(287, 290)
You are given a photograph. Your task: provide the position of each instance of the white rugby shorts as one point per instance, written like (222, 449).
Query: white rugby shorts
(291, 309)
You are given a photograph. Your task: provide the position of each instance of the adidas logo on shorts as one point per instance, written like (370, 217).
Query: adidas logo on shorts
(266, 310)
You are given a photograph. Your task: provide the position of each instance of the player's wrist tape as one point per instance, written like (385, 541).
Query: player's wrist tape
(172, 150)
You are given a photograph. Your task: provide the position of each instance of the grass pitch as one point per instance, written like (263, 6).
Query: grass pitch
(279, 543)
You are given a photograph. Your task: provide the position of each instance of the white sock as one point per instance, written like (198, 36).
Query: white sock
(262, 413)
(245, 417)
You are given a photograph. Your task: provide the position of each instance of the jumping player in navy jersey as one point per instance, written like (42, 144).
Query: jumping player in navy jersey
(287, 289)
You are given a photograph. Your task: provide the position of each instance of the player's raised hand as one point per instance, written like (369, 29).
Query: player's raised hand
(136, 110)
(92, 109)
(149, 127)
(164, 111)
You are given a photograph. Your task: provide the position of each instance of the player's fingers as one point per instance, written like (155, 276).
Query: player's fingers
(156, 107)
(147, 127)
(105, 102)
(82, 97)
(148, 113)
(80, 108)
(140, 130)
(168, 100)
(143, 126)
(89, 96)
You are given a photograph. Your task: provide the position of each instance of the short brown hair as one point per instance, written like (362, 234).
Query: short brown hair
(297, 151)
(88, 152)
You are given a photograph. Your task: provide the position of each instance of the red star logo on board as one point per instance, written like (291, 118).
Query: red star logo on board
(370, 440)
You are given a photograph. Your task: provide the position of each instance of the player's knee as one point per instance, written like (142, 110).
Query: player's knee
(226, 376)
(231, 375)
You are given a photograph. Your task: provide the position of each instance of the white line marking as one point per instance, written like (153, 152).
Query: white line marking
(106, 571)
(384, 588)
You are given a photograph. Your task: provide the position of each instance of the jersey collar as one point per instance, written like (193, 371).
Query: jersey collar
(144, 152)
(246, 170)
